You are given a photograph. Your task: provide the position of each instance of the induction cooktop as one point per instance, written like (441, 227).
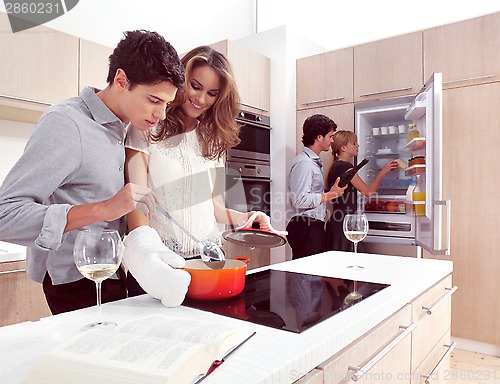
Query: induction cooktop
(288, 300)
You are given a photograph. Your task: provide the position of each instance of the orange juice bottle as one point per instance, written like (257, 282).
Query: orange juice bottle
(419, 196)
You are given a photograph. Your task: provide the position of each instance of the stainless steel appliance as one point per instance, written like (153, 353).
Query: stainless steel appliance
(248, 168)
(382, 129)
(288, 300)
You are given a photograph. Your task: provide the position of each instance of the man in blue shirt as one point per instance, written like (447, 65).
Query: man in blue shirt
(306, 229)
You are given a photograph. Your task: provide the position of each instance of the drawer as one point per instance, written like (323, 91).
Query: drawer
(369, 347)
(432, 313)
(436, 366)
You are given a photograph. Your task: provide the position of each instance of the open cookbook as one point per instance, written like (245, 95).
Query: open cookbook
(155, 349)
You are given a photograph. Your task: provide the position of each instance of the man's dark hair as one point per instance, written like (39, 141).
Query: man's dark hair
(146, 58)
(314, 126)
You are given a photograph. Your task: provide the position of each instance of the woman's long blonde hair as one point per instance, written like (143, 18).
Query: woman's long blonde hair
(218, 127)
(341, 138)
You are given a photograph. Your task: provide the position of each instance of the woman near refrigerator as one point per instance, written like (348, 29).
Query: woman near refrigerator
(344, 148)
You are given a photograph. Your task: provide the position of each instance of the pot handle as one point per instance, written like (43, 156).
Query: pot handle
(246, 260)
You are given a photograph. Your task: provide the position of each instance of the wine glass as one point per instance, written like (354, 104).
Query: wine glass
(355, 228)
(98, 254)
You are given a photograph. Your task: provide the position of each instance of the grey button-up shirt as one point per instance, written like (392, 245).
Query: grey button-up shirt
(75, 156)
(306, 185)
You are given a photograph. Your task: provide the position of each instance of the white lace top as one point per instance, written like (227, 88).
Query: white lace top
(183, 180)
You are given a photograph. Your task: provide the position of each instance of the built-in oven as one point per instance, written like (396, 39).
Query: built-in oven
(255, 136)
(248, 166)
(248, 179)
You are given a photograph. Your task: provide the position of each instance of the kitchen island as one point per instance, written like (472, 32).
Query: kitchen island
(272, 355)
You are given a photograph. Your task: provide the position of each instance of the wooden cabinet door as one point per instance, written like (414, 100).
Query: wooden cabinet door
(252, 73)
(431, 326)
(470, 126)
(39, 65)
(94, 64)
(388, 68)
(436, 365)
(325, 79)
(394, 367)
(343, 115)
(466, 53)
(22, 299)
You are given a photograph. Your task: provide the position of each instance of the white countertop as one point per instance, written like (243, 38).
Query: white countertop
(11, 252)
(293, 355)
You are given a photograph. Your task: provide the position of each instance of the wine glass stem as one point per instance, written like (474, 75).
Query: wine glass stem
(355, 247)
(355, 288)
(98, 291)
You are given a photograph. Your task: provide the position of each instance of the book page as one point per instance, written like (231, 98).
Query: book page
(155, 349)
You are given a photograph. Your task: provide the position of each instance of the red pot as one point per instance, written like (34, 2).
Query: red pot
(216, 284)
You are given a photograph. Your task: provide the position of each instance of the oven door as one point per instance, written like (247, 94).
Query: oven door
(245, 192)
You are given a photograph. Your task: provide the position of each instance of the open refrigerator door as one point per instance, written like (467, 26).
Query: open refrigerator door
(432, 230)
(409, 129)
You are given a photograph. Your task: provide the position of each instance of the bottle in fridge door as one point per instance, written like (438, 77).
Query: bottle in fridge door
(418, 196)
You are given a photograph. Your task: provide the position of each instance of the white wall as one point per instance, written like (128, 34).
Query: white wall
(13, 138)
(283, 46)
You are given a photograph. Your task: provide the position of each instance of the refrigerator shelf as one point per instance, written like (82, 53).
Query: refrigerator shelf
(415, 169)
(415, 144)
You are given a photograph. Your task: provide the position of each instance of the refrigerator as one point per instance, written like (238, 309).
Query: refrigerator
(397, 225)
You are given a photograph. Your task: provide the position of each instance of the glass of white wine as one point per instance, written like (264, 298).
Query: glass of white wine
(98, 254)
(355, 228)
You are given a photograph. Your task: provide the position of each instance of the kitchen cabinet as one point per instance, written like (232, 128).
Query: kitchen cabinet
(466, 52)
(389, 366)
(22, 299)
(252, 73)
(432, 313)
(388, 68)
(436, 365)
(325, 79)
(39, 67)
(470, 121)
(94, 63)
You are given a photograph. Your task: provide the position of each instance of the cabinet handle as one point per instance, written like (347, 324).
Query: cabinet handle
(433, 373)
(450, 292)
(324, 100)
(24, 99)
(360, 371)
(389, 91)
(13, 271)
(470, 78)
(254, 107)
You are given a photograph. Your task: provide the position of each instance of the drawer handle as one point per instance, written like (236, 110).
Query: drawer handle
(360, 371)
(470, 78)
(450, 292)
(13, 271)
(389, 91)
(254, 107)
(324, 100)
(433, 373)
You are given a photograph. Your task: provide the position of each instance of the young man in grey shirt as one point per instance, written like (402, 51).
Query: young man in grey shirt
(71, 173)
(306, 232)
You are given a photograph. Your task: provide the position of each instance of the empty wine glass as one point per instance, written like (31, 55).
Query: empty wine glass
(355, 228)
(98, 254)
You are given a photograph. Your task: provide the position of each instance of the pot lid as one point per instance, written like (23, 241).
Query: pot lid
(259, 238)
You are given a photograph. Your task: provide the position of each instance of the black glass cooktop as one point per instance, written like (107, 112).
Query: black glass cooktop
(288, 300)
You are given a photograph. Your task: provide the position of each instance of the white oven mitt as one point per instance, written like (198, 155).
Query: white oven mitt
(153, 265)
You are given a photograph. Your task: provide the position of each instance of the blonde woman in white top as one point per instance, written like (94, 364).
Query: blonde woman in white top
(178, 159)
